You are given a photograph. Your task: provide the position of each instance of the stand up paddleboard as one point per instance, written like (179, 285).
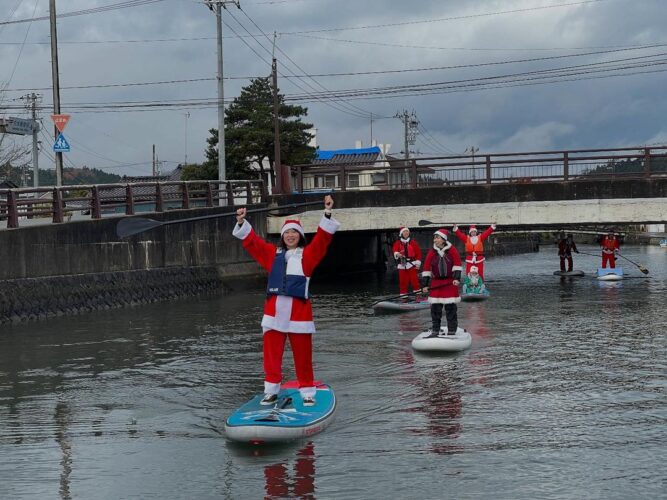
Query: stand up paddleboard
(443, 342)
(286, 420)
(608, 274)
(569, 273)
(475, 297)
(388, 306)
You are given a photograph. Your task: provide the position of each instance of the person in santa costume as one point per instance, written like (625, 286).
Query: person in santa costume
(565, 248)
(441, 278)
(408, 257)
(474, 246)
(287, 309)
(473, 282)
(610, 247)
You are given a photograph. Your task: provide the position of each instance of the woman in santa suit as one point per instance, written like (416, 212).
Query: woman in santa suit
(441, 278)
(610, 247)
(474, 246)
(287, 309)
(408, 257)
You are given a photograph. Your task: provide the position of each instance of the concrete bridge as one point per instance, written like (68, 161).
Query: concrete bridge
(546, 205)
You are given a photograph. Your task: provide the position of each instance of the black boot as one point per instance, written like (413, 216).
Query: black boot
(452, 319)
(436, 319)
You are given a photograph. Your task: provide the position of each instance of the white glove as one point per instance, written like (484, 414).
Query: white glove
(417, 263)
(493, 226)
(455, 228)
(397, 255)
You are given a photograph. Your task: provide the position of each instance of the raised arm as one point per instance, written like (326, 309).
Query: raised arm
(317, 248)
(260, 250)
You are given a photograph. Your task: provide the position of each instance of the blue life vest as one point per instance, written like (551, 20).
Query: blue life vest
(287, 277)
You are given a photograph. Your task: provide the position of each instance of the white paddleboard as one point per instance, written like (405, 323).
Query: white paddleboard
(443, 342)
(609, 274)
(569, 273)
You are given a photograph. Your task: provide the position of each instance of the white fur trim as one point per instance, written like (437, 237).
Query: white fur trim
(448, 300)
(242, 232)
(457, 268)
(329, 225)
(292, 225)
(417, 263)
(426, 274)
(475, 260)
(271, 388)
(442, 235)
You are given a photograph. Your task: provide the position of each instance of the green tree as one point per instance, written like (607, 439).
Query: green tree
(249, 135)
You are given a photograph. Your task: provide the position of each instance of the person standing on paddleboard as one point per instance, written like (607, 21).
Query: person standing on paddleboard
(441, 278)
(287, 309)
(610, 247)
(474, 245)
(408, 257)
(565, 248)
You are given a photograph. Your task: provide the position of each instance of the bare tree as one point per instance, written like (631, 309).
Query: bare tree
(14, 158)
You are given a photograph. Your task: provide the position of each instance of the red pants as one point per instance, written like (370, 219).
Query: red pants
(407, 277)
(302, 349)
(608, 257)
(480, 268)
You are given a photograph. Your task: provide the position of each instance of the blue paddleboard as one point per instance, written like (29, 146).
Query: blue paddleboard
(608, 274)
(475, 297)
(286, 420)
(390, 306)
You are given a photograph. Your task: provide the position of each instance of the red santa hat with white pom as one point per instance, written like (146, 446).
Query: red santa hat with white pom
(292, 224)
(401, 229)
(472, 228)
(443, 233)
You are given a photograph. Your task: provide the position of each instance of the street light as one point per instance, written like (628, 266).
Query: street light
(185, 161)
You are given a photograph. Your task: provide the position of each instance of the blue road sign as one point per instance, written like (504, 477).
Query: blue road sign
(61, 145)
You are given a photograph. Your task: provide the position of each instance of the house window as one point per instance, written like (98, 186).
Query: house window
(353, 180)
(379, 178)
(326, 181)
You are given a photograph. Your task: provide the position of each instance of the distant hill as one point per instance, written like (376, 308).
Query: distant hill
(71, 176)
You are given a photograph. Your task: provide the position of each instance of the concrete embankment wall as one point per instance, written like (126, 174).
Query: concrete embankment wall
(71, 268)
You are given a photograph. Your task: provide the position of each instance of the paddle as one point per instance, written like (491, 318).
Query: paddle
(424, 222)
(641, 268)
(409, 294)
(135, 225)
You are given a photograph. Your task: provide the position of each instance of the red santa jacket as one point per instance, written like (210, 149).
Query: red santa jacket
(609, 245)
(474, 246)
(283, 313)
(410, 251)
(565, 248)
(442, 289)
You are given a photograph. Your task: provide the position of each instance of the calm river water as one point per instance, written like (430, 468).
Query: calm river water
(562, 395)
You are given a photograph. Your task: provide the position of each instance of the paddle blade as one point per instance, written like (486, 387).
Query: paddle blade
(643, 269)
(135, 225)
(425, 223)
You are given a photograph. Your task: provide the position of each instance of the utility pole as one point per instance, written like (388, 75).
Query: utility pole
(35, 143)
(217, 6)
(153, 160)
(410, 124)
(56, 85)
(472, 150)
(185, 161)
(277, 162)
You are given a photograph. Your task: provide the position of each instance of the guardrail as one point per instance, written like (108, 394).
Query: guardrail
(96, 201)
(497, 168)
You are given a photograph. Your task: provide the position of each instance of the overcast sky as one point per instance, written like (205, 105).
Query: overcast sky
(605, 86)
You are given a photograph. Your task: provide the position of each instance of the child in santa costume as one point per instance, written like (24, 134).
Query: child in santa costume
(565, 248)
(408, 257)
(474, 246)
(610, 247)
(287, 309)
(441, 277)
(473, 282)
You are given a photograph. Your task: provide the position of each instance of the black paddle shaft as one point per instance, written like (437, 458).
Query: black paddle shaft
(135, 225)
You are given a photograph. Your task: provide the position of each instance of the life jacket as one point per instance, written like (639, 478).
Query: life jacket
(287, 276)
(476, 247)
(440, 265)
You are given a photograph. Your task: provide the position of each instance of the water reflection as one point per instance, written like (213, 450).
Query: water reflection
(296, 480)
(62, 417)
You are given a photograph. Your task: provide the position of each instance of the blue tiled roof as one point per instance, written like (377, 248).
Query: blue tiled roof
(330, 154)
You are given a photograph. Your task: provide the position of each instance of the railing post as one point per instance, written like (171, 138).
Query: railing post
(248, 190)
(209, 194)
(343, 178)
(413, 174)
(12, 211)
(566, 166)
(488, 169)
(95, 203)
(186, 195)
(230, 194)
(299, 177)
(647, 162)
(57, 205)
(129, 200)
(159, 199)
(264, 195)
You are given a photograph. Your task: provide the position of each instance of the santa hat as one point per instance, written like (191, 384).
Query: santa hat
(443, 233)
(474, 269)
(292, 224)
(400, 231)
(472, 228)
